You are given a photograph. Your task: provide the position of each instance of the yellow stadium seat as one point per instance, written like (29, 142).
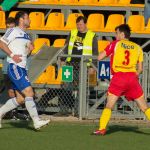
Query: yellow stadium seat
(71, 21)
(39, 42)
(67, 2)
(50, 72)
(12, 14)
(55, 21)
(124, 2)
(2, 20)
(59, 42)
(147, 28)
(102, 44)
(136, 23)
(47, 77)
(113, 21)
(42, 79)
(40, 2)
(48, 1)
(37, 20)
(95, 22)
(107, 2)
(87, 2)
(59, 77)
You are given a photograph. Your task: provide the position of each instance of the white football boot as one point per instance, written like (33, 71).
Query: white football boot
(41, 123)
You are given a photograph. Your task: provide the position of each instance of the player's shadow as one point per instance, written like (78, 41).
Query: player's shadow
(21, 124)
(117, 128)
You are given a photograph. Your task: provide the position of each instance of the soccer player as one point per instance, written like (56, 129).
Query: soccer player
(125, 57)
(17, 42)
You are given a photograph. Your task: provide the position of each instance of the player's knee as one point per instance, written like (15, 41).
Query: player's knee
(109, 106)
(28, 92)
(20, 100)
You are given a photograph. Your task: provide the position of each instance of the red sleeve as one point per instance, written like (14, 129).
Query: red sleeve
(110, 48)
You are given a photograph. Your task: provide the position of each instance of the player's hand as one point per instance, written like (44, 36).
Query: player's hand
(17, 58)
(30, 47)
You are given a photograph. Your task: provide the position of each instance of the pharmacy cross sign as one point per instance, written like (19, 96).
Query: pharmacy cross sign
(67, 73)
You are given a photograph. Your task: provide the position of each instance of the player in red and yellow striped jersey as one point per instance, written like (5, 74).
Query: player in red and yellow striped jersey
(126, 64)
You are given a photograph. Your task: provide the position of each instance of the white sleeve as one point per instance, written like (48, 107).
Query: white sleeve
(9, 36)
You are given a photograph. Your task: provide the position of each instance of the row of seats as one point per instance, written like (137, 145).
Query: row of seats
(48, 77)
(86, 2)
(39, 42)
(55, 21)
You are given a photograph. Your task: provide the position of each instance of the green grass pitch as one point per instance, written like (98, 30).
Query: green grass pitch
(17, 135)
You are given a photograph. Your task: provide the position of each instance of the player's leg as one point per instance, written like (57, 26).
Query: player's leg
(31, 107)
(114, 91)
(8, 106)
(106, 114)
(142, 104)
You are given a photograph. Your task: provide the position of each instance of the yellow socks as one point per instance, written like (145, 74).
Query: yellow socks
(147, 113)
(105, 117)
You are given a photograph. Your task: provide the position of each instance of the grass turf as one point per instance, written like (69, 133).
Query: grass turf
(17, 135)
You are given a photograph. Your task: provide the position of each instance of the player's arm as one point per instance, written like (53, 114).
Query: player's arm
(5, 40)
(102, 55)
(30, 47)
(108, 51)
(139, 68)
(140, 63)
(6, 49)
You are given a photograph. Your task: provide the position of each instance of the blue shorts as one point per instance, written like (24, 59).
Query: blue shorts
(18, 77)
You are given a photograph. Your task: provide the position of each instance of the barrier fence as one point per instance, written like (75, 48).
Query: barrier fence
(85, 96)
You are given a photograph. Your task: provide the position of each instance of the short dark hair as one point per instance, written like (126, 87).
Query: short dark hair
(19, 15)
(10, 20)
(81, 18)
(125, 29)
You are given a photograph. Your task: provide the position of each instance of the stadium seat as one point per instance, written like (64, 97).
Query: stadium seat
(124, 2)
(12, 14)
(87, 2)
(71, 21)
(37, 20)
(95, 22)
(113, 21)
(59, 77)
(50, 73)
(38, 43)
(147, 28)
(42, 79)
(40, 2)
(59, 42)
(55, 21)
(102, 44)
(68, 2)
(136, 23)
(48, 1)
(107, 2)
(2, 18)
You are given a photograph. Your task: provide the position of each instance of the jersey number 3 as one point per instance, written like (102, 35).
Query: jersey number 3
(127, 60)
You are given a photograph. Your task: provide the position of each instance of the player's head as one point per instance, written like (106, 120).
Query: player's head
(22, 19)
(123, 31)
(81, 24)
(10, 22)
